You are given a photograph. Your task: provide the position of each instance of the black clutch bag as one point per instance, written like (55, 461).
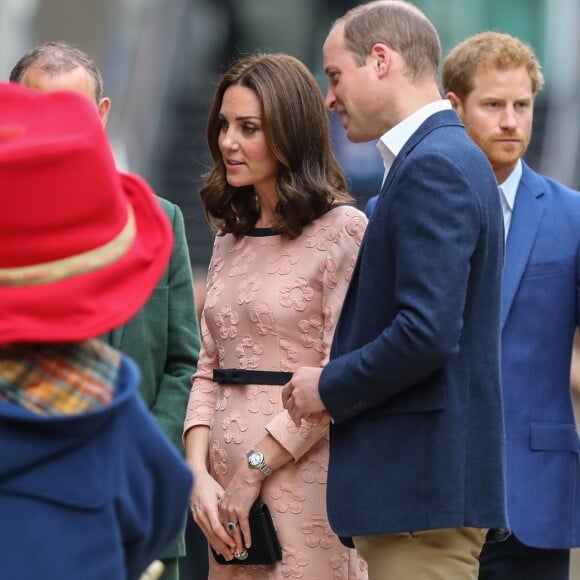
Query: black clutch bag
(266, 547)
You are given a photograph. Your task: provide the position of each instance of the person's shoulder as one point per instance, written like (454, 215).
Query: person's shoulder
(167, 205)
(450, 141)
(540, 183)
(173, 213)
(347, 219)
(343, 213)
(224, 243)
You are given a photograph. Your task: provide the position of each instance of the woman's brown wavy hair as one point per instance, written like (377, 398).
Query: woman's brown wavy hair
(296, 127)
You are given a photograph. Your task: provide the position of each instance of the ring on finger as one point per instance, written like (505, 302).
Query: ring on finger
(232, 526)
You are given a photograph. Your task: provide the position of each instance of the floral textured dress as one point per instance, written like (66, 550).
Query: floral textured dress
(272, 305)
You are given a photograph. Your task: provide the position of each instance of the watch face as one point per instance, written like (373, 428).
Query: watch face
(255, 458)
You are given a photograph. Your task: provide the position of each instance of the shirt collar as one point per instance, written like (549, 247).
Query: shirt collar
(511, 184)
(391, 143)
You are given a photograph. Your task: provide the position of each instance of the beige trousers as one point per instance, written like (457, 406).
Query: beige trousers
(449, 554)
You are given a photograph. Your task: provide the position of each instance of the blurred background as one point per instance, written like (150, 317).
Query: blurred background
(160, 60)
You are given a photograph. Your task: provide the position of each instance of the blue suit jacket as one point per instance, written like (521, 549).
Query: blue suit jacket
(540, 312)
(413, 384)
(370, 205)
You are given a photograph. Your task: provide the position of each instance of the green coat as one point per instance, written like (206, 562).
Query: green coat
(163, 339)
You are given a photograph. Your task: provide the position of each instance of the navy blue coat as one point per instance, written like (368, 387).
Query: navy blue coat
(92, 496)
(370, 205)
(413, 384)
(540, 312)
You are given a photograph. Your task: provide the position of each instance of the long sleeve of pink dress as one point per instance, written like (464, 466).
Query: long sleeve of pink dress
(272, 305)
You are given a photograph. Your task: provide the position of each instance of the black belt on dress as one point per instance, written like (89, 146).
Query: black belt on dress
(248, 377)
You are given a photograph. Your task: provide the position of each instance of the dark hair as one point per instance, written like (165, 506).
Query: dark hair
(56, 58)
(296, 128)
(401, 26)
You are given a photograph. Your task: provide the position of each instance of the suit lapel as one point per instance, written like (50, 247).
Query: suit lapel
(435, 121)
(526, 219)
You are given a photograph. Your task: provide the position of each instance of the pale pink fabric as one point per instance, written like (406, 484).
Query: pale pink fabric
(272, 304)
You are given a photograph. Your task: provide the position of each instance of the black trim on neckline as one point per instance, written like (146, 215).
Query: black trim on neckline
(262, 232)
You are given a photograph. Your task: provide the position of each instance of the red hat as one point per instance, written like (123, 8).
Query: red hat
(81, 245)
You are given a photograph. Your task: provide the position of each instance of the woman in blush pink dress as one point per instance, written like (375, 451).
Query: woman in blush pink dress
(287, 241)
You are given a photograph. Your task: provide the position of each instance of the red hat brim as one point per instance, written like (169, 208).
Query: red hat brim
(87, 305)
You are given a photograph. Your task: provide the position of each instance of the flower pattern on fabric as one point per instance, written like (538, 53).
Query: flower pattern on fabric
(227, 321)
(297, 295)
(318, 533)
(221, 352)
(343, 568)
(217, 264)
(249, 352)
(265, 320)
(288, 498)
(292, 356)
(218, 457)
(328, 318)
(248, 290)
(283, 263)
(222, 399)
(214, 271)
(348, 272)
(356, 226)
(328, 269)
(243, 574)
(272, 304)
(205, 387)
(213, 295)
(315, 468)
(269, 242)
(323, 237)
(263, 401)
(312, 333)
(294, 564)
(238, 245)
(234, 427)
(202, 409)
(304, 431)
(241, 264)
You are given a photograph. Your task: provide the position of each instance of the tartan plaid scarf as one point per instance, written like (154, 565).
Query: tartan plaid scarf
(59, 379)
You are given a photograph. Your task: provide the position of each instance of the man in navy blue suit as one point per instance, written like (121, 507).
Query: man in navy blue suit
(416, 474)
(492, 80)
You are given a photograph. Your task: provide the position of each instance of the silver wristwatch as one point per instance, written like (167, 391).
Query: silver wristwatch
(256, 461)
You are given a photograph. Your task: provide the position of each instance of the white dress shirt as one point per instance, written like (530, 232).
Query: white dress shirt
(391, 143)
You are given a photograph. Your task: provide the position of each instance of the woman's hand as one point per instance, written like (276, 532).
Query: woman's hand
(205, 499)
(235, 504)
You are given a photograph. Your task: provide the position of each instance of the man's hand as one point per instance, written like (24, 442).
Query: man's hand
(300, 395)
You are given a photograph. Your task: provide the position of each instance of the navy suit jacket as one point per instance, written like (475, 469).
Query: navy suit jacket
(413, 384)
(370, 205)
(540, 312)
